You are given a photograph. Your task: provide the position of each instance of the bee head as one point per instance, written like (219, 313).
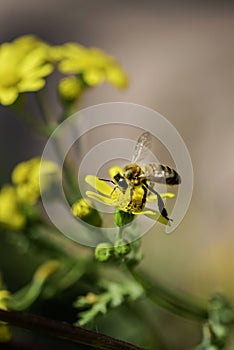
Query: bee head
(121, 182)
(132, 171)
(116, 174)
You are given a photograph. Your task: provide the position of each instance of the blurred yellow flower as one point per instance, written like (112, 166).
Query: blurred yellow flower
(93, 64)
(114, 75)
(4, 294)
(11, 215)
(82, 208)
(55, 53)
(5, 334)
(29, 179)
(126, 201)
(33, 177)
(23, 67)
(26, 43)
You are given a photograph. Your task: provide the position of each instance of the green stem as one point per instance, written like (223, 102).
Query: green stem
(69, 109)
(42, 128)
(45, 108)
(64, 330)
(35, 125)
(72, 189)
(120, 233)
(148, 326)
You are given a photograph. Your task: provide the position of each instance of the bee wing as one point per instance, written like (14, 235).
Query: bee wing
(142, 147)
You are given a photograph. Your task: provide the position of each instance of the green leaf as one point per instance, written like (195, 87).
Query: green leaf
(113, 295)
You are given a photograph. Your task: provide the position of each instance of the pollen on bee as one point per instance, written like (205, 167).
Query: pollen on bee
(132, 200)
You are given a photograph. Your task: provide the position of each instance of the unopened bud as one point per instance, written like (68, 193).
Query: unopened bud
(103, 252)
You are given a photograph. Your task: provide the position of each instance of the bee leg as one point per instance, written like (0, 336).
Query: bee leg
(144, 196)
(161, 207)
(131, 194)
(114, 189)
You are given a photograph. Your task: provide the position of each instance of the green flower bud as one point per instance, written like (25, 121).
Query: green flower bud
(103, 251)
(122, 247)
(122, 218)
(70, 88)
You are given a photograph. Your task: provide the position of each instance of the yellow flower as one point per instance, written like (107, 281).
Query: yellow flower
(93, 64)
(125, 201)
(55, 53)
(4, 295)
(84, 210)
(23, 67)
(29, 179)
(5, 334)
(11, 215)
(33, 177)
(116, 76)
(26, 43)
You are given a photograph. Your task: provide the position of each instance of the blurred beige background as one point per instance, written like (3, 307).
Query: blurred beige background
(180, 60)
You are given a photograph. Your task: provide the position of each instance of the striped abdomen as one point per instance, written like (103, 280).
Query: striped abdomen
(161, 174)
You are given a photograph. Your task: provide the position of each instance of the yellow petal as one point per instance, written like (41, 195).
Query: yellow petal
(33, 60)
(5, 333)
(117, 77)
(155, 215)
(114, 170)
(99, 185)
(153, 197)
(31, 85)
(8, 96)
(94, 76)
(99, 198)
(26, 40)
(40, 72)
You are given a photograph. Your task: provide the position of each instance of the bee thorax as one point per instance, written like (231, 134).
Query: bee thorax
(132, 171)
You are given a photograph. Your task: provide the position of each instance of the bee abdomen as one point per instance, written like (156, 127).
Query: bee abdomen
(162, 174)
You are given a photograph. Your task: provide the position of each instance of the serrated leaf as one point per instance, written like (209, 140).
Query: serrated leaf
(113, 296)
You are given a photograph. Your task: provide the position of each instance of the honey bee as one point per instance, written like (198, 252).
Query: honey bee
(135, 177)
